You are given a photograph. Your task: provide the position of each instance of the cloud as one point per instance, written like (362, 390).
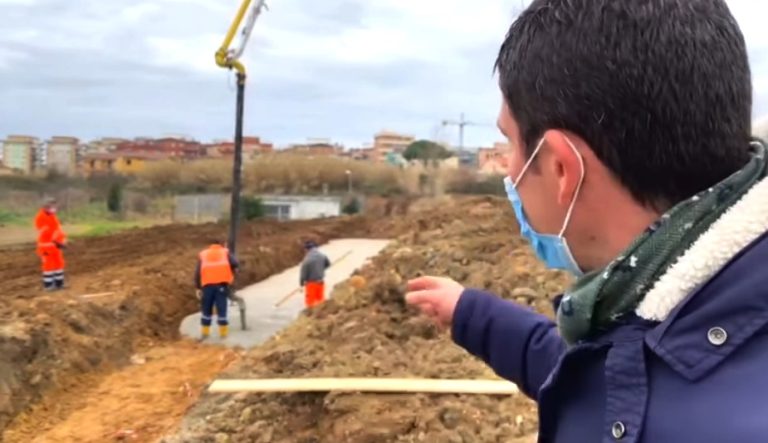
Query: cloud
(338, 68)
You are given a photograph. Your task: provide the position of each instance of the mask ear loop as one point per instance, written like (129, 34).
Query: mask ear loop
(528, 163)
(578, 187)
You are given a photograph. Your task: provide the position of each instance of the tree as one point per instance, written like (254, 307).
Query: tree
(425, 151)
(115, 198)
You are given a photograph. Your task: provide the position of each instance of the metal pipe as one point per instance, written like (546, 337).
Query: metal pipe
(237, 168)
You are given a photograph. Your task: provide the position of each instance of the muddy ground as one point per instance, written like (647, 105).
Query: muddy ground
(61, 345)
(370, 332)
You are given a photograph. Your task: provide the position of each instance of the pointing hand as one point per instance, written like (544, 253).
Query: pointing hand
(436, 297)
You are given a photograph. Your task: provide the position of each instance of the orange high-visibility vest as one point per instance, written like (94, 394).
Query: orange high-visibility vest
(215, 267)
(48, 230)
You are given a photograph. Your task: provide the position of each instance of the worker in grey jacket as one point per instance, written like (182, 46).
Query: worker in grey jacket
(313, 274)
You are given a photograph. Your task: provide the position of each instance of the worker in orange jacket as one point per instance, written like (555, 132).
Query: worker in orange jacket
(51, 242)
(214, 274)
(312, 274)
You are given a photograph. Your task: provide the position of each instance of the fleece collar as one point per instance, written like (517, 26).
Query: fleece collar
(738, 227)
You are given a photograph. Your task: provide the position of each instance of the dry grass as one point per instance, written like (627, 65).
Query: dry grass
(278, 173)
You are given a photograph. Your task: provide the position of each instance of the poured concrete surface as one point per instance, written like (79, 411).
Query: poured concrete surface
(263, 318)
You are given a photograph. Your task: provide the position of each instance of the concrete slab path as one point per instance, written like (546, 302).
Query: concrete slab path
(263, 318)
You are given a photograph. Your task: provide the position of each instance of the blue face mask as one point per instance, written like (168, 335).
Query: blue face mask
(553, 250)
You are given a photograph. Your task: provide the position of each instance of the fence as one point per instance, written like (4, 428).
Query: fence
(201, 207)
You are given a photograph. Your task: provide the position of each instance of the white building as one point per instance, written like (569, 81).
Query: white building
(301, 207)
(41, 155)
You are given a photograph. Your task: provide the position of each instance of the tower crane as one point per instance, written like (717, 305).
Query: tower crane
(461, 123)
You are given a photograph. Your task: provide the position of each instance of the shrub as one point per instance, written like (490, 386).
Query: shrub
(469, 182)
(252, 207)
(115, 198)
(351, 207)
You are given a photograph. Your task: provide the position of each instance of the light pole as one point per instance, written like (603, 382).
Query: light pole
(349, 181)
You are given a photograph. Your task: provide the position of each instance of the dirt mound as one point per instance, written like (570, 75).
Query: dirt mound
(48, 340)
(371, 332)
(159, 384)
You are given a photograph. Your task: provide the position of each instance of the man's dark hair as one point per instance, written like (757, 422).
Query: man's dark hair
(659, 89)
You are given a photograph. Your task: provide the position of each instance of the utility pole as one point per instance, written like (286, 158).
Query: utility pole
(461, 123)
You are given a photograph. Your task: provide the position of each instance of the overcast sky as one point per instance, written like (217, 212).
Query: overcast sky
(340, 69)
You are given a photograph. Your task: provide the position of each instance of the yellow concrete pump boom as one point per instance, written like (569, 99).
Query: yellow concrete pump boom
(229, 58)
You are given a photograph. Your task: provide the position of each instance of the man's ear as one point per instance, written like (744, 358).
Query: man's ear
(567, 162)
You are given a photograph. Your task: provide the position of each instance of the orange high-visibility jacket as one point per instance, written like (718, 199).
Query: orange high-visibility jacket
(49, 230)
(215, 267)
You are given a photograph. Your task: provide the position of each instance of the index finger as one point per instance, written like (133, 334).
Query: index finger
(420, 297)
(423, 283)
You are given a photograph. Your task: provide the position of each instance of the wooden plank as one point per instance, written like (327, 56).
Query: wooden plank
(286, 297)
(390, 385)
(100, 294)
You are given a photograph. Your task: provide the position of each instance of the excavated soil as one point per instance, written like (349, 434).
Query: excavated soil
(62, 345)
(371, 332)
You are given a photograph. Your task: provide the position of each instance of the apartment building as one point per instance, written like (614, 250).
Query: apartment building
(104, 145)
(388, 142)
(493, 160)
(168, 147)
(62, 154)
(252, 147)
(20, 153)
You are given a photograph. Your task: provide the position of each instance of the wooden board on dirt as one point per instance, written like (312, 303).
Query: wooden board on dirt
(390, 385)
(100, 294)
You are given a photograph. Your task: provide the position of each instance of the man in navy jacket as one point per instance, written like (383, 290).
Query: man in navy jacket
(632, 167)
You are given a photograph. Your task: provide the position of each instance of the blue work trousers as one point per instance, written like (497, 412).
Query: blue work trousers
(214, 295)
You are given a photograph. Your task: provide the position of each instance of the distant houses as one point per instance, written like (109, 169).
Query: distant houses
(24, 154)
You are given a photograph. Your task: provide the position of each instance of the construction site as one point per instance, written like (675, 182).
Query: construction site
(117, 353)
(104, 359)
(270, 297)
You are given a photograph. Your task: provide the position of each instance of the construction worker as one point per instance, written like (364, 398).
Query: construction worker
(312, 277)
(215, 272)
(51, 241)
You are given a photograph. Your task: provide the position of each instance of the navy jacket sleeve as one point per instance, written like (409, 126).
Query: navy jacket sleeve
(516, 342)
(197, 275)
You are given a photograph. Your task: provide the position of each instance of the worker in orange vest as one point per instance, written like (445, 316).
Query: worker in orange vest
(312, 277)
(215, 272)
(51, 242)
